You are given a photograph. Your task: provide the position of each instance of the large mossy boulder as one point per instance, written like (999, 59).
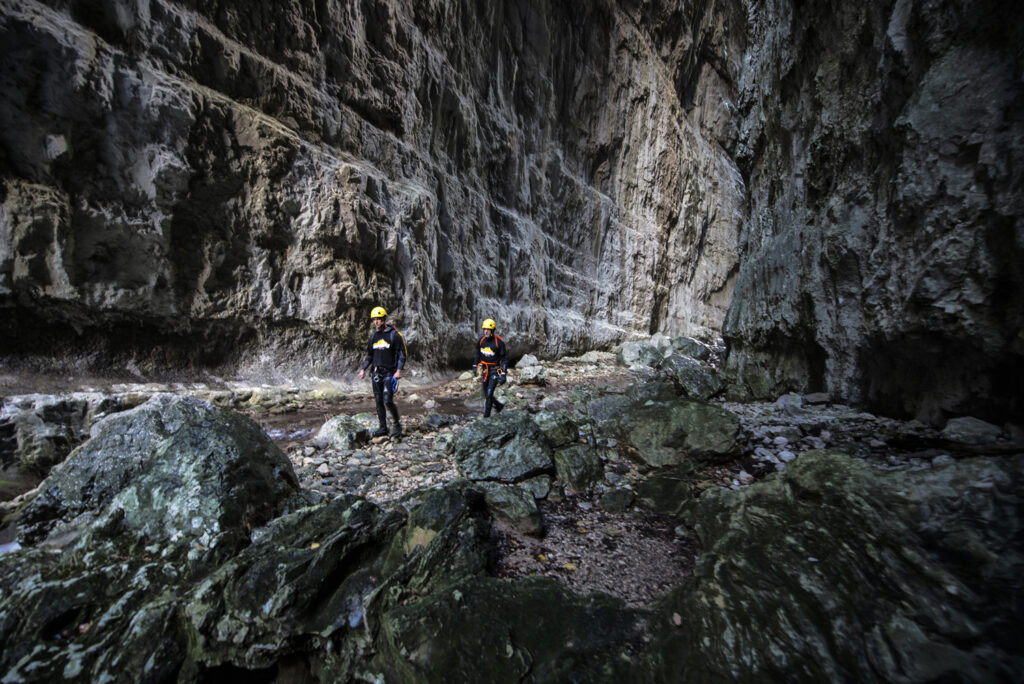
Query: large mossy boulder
(494, 630)
(833, 571)
(158, 497)
(579, 467)
(507, 447)
(665, 433)
(173, 472)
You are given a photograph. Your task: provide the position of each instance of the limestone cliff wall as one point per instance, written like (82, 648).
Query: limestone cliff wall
(236, 185)
(239, 184)
(883, 253)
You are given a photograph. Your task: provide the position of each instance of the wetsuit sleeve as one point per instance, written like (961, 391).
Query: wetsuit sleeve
(369, 353)
(476, 359)
(502, 355)
(401, 353)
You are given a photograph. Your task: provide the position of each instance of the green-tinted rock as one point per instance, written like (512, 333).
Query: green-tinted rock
(173, 471)
(694, 379)
(490, 630)
(833, 571)
(538, 486)
(617, 500)
(513, 505)
(558, 427)
(507, 447)
(668, 490)
(666, 433)
(578, 467)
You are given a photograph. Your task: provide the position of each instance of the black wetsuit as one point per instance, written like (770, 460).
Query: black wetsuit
(385, 353)
(492, 359)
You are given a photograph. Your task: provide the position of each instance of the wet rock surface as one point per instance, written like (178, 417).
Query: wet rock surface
(626, 569)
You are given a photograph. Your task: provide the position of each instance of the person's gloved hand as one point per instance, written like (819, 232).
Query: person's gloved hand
(476, 371)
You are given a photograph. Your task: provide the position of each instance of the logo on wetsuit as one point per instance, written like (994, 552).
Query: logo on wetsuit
(381, 344)
(487, 351)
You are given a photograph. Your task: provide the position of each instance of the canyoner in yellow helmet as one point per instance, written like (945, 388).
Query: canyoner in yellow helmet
(492, 363)
(385, 357)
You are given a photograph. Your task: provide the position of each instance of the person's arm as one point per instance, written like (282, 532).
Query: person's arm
(400, 355)
(502, 355)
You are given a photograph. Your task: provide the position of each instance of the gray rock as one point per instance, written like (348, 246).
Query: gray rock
(579, 467)
(538, 487)
(533, 375)
(507, 447)
(342, 432)
(688, 346)
(852, 551)
(969, 430)
(617, 500)
(667, 433)
(695, 379)
(173, 471)
(638, 354)
(514, 506)
(558, 427)
(527, 360)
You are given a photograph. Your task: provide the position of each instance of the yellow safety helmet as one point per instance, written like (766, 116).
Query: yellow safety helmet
(378, 312)
(488, 324)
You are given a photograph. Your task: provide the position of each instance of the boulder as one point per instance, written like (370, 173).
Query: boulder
(666, 433)
(694, 378)
(968, 430)
(507, 447)
(341, 432)
(617, 500)
(493, 630)
(834, 571)
(173, 472)
(579, 467)
(687, 346)
(638, 355)
(558, 427)
(513, 505)
(533, 375)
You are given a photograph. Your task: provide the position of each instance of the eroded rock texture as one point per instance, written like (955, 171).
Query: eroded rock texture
(196, 182)
(258, 178)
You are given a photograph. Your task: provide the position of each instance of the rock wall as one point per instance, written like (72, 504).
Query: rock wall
(193, 183)
(190, 182)
(882, 147)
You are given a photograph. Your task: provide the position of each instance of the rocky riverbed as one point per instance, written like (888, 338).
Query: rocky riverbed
(608, 475)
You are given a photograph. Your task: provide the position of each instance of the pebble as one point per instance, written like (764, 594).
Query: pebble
(324, 470)
(786, 456)
(745, 477)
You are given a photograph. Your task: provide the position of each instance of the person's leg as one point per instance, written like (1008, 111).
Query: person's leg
(378, 395)
(492, 381)
(389, 401)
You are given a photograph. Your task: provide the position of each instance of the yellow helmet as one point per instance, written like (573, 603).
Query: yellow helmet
(378, 312)
(488, 324)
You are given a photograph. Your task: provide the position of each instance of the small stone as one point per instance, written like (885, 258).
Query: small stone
(816, 398)
(324, 470)
(942, 460)
(745, 477)
(877, 444)
(780, 441)
(786, 456)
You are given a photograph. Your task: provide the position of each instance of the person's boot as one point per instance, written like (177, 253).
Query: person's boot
(380, 432)
(397, 432)
(498, 406)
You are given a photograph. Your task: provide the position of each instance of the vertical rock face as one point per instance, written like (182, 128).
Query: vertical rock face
(882, 257)
(199, 183)
(258, 178)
